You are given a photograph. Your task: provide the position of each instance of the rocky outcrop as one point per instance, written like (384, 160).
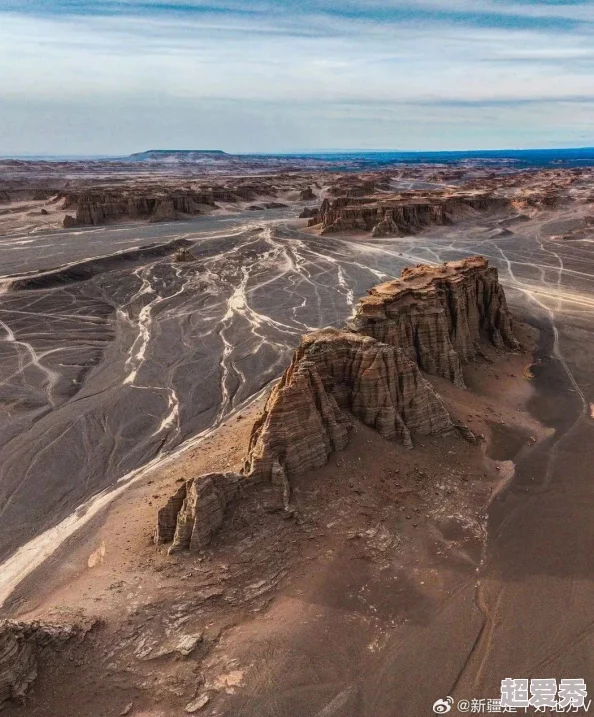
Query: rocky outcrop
(397, 215)
(169, 199)
(353, 185)
(196, 511)
(183, 254)
(101, 208)
(20, 646)
(333, 375)
(439, 315)
(432, 319)
(165, 211)
(167, 515)
(156, 203)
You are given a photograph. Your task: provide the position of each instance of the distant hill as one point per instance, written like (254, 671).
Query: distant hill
(176, 155)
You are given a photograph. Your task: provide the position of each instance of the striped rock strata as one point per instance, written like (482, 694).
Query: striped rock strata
(98, 206)
(196, 511)
(439, 315)
(397, 215)
(335, 374)
(102, 207)
(433, 319)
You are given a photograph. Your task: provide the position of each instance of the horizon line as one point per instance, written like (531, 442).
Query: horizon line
(298, 152)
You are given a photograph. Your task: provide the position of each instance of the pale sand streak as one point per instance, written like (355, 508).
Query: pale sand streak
(34, 553)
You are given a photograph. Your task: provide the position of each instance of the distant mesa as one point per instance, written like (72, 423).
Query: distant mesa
(176, 155)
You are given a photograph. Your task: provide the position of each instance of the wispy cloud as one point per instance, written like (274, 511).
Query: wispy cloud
(410, 74)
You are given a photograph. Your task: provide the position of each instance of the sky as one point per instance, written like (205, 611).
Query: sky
(113, 77)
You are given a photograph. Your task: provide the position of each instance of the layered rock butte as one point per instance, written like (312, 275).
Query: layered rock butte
(102, 206)
(400, 214)
(432, 320)
(99, 205)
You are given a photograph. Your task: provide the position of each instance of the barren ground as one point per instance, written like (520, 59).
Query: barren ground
(387, 590)
(282, 612)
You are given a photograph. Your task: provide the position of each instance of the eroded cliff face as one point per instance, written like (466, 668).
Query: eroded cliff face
(335, 374)
(439, 315)
(162, 202)
(397, 214)
(96, 208)
(432, 320)
(196, 511)
(20, 646)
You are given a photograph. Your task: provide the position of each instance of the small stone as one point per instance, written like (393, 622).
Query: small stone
(197, 704)
(127, 709)
(188, 643)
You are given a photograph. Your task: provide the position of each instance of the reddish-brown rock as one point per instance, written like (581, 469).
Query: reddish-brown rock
(196, 511)
(335, 374)
(439, 315)
(433, 319)
(397, 214)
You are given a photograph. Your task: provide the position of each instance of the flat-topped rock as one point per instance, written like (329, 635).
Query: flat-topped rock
(399, 214)
(439, 315)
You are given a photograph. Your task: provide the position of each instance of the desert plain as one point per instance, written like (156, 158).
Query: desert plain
(147, 310)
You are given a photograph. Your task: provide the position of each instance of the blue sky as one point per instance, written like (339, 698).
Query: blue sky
(118, 76)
